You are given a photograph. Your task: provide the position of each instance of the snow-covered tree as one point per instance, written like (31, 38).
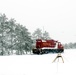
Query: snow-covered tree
(3, 21)
(46, 35)
(23, 40)
(13, 36)
(37, 34)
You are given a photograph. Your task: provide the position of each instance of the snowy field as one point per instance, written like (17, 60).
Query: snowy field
(39, 64)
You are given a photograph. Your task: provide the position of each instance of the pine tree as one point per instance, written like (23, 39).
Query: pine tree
(13, 37)
(46, 35)
(3, 20)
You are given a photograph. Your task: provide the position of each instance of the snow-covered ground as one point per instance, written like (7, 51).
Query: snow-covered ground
(39, 64)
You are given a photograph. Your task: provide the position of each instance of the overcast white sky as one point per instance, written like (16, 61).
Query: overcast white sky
(58, 17)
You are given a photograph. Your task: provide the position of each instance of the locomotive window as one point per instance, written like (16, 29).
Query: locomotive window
(38, 41)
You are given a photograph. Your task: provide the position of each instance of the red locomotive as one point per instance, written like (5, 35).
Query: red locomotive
(47, 46)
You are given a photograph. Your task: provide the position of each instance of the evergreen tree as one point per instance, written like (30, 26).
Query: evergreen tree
(46, 35)
(23, 40)
(11, 34)
(37, 34)
(3, 20)
(13, 37)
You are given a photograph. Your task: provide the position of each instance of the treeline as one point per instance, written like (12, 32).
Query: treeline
(70, 45)
(14, 37)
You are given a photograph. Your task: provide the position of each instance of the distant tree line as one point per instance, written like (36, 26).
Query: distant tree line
(70, 45)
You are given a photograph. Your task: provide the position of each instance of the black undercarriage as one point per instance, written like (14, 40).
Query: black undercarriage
(45, 51)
